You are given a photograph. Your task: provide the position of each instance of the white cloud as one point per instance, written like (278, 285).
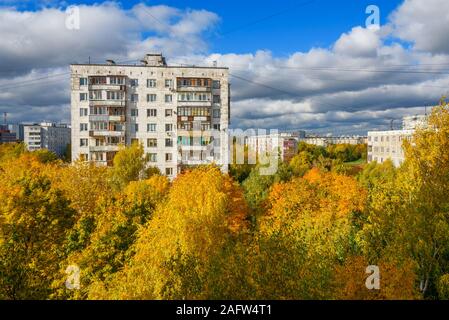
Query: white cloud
(424, 23)
(336, 89)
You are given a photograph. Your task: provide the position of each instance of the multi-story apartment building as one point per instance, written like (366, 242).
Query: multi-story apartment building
(6, 135)
(285, 143)
(45, 135)
(383, 145)
(179, 114)
(325, 141)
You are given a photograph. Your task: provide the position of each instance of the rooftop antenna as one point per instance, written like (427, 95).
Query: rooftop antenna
(89, 59)
(214, 63)
(391, 124)
(5, 116)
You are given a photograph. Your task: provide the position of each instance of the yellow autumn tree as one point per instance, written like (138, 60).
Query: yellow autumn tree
(116, 226)
(396, 280)
(35, 218)
(304, 235)
(203, 210)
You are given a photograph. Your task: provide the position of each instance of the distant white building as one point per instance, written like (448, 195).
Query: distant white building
(325, 141)
(286, 143)
(45, 135)
(384, 145)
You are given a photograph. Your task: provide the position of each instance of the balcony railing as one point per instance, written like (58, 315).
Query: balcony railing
(193, 88)
(107, 86)
(106, 133)
(105, 117)
(104, 148)
(111, 103)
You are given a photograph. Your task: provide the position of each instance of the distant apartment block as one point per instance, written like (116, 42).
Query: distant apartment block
(179, 114)
(285, 143)
(384, 145)
(6, 135)
(45, 135)
(325, 141)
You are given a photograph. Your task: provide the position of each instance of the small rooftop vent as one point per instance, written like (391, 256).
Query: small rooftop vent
(110, 62)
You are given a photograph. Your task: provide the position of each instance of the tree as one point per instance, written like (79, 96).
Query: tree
(304, 235)
(129, 165)
(34, 220)
(397, 280)
(117, 224)
(173, 253)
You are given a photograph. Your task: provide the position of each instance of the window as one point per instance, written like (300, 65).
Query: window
(216, 98)
(216, 84)
(134, 97)
(216, 113)
(95, 95)
(83, 126)
(117, 80)
(151, 83)
(151, 112)
(83, 142)
(151, 143)
(151, 127)
(168, 157)
(168, 112)
(169, 142)
(168, 98)
(83, 96)
(168, 83)
(83, 112)
(168, 127)
(136, 127)
(151, 97)
(83, 81)
(152, 157)
(216, 127)
(134, 83)
(114, 95)
(134, 112)
(169, 171)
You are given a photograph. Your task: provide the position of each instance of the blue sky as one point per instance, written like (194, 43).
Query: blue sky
(300, 64)
(283, 27)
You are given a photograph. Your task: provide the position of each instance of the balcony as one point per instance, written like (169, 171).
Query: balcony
(107, 86)
(106, 133)
(193, 148)
(111, 103)
(193, 89)
(105, 117)
(194, 103)
(104, 148)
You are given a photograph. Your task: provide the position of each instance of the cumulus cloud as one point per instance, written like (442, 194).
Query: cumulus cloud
(361, 82)
(424, 23)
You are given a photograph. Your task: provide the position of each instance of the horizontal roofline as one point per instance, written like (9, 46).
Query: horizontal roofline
(143, 66)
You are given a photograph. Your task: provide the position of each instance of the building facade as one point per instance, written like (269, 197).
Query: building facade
(383, 145)
(6, 135)
(285, 143)
(325, 141)
(179, 114)
(45, 135)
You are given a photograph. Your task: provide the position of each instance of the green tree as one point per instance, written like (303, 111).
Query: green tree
(129, 165)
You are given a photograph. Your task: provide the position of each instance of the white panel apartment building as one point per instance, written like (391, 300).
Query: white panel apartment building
(45, 135)
(179, 114)
(383, 145)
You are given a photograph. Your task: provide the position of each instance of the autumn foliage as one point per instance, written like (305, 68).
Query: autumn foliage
(307, 232)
